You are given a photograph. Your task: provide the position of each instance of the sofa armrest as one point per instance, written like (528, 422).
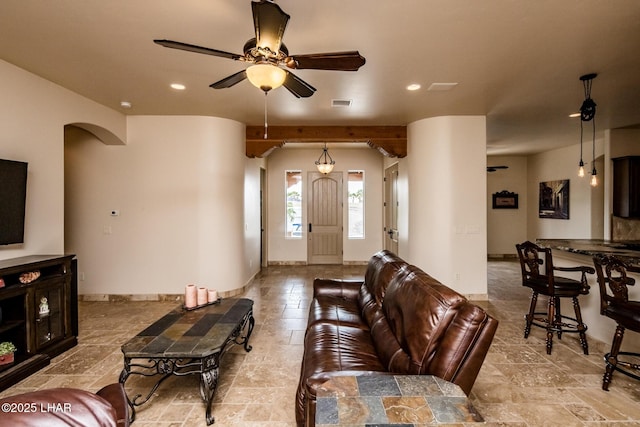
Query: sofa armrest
(348, 289)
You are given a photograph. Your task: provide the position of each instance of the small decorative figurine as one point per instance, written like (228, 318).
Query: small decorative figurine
(44, 306)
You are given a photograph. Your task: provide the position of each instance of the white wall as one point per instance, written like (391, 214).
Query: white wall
(282, 249)
(557, 165)
(179, 186)
(447, 214)
(34, 113)
(506, 227)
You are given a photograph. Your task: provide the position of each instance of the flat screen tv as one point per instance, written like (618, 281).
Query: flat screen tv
(13, 196)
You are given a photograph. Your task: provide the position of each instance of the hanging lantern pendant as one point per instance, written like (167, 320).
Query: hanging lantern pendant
(325, 166)
(587, 114)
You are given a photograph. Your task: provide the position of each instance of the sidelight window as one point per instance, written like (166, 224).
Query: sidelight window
(293, 204)
(355, 184)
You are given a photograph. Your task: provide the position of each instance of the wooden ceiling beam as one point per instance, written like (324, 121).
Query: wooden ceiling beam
(391, 141)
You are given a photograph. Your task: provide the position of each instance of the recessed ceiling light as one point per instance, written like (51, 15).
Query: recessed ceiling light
(178, 86)
(414, 86)
(440, 87)
(125, 104)
(573, 115)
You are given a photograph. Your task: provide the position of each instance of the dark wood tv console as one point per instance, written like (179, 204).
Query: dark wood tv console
(38, 316)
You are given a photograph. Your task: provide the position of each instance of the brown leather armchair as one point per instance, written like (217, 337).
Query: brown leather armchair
(63, 407)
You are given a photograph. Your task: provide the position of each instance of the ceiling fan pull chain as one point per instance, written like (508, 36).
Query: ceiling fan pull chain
(265, 115)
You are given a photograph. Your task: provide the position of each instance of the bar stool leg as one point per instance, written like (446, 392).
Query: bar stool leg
(612, 357)
(529, 317)
(581, 326)
(550, 323)
(558, 318)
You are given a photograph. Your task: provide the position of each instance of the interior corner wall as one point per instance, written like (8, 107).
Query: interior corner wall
(178, 188)
(35, 112)
(252, 215)
(447, 214)
(506, 227)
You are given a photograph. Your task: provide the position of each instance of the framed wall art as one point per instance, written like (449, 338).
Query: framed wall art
(505, 200)
(554, 199)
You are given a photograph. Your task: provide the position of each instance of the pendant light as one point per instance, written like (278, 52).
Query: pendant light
(588, 114)
(325, 166)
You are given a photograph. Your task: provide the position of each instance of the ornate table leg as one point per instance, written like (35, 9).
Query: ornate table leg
(252, 322)
(247, 323)
(123, 379)
(165, 367)
(209, 382)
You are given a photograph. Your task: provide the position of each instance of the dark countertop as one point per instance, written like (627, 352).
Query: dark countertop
(628, 250)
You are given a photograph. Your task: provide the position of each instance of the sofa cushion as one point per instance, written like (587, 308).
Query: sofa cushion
(419, 310)
(381, 268)
(336, 310)
(330, 347)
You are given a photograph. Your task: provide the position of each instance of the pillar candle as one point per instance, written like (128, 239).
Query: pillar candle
(213, 295)
(202, 296)
(190, 299)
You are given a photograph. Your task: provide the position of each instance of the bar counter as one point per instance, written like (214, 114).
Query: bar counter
(628, 250)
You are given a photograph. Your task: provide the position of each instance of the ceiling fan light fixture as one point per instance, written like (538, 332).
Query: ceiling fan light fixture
(266, 76)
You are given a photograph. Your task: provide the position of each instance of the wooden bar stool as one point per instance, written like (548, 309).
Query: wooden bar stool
(615, 304)
(538, 271)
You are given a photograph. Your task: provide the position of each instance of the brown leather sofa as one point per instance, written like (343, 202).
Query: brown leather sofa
(62, 407)
(399, 320)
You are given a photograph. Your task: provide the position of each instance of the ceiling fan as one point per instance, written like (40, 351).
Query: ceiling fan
(268, 55)
(495, 168)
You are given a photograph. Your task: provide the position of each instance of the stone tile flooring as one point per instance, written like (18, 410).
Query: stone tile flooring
(519, 384)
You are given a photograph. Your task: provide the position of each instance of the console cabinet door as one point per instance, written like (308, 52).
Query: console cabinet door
(49, 312)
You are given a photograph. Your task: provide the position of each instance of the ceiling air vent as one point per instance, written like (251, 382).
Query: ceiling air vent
(441, 87)
(341, 103)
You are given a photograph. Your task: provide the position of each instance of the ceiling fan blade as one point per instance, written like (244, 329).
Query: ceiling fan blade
(340, 61)
(298, 87)
(232, 80)
(198, 49)
(269, 22)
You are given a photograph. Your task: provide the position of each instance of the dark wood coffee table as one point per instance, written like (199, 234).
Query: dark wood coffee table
(187, 342)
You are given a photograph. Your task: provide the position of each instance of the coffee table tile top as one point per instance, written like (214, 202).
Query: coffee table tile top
(392, 400)
(189, 334)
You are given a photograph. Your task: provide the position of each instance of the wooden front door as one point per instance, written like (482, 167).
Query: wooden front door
(391, 208)
(324, 228)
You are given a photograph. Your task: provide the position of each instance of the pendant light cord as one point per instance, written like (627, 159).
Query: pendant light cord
(581, 141)
(265, 114)
(594, 146)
